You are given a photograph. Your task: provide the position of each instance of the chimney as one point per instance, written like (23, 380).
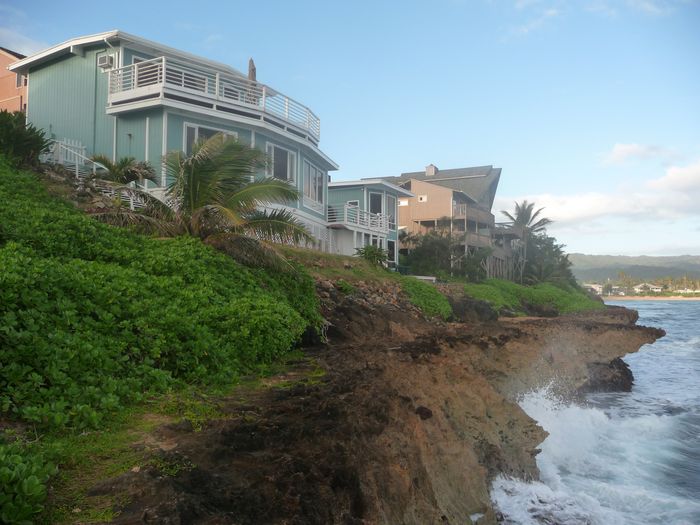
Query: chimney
(431, 170)
(252, 71)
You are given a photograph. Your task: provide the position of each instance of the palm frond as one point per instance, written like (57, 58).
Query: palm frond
(260, 193)
(277, 226)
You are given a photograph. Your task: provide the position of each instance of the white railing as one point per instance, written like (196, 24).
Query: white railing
(150, 75)
(349, 215)
(72, 155)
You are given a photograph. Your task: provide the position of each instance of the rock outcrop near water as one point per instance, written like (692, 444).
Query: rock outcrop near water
(409, 424)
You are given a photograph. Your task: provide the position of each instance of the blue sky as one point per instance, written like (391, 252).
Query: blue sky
(591, 107)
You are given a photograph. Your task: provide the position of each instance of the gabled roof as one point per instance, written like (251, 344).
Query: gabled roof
(15, 54)
(111, 38)
(367, 182)
(479, 183)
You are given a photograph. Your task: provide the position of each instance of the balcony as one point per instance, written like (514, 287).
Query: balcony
(167, 78)
(352, 217)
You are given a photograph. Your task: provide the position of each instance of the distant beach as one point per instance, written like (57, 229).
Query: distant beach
(649, 298)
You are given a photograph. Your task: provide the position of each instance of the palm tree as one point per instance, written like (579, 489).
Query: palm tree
(525, 216)
(213, 195)
(126, 170)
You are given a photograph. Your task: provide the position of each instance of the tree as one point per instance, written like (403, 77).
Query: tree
(126, 170)
(212, 195)
(547, 262)
(525, 216)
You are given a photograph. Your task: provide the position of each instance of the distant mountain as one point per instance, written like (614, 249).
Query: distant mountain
(603, 267)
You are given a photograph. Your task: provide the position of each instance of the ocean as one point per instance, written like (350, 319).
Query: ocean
(621, 458)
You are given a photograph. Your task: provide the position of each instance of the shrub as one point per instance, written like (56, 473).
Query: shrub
(23, 478)
(93, 317)
(20, 142)
(372, 254)
(426, 297)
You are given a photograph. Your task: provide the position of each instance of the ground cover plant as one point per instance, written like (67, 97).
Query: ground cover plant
(507, 295)
(94, 318)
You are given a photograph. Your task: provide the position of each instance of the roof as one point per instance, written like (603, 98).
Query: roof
(111, 37)
(15, 54)
(366, 182)
(479, 183)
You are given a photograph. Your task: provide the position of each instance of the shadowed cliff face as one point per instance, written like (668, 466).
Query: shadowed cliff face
(410, 423)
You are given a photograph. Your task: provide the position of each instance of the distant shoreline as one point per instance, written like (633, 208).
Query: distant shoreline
(648, 298)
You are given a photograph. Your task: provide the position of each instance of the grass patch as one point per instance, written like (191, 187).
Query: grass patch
(427, 297)
(508, 295)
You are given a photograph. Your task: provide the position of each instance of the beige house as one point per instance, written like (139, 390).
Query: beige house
(461, 200)
(13, 87)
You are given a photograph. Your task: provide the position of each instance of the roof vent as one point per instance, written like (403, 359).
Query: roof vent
(431, 169)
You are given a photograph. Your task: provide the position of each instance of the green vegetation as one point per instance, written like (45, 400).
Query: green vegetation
(345, 287)
(372, 254)
(441, 253)
(94, 319)
(126, 170)
(211, 196)
(23, 478)
(20, 143)
(514, 297)
(427, 297)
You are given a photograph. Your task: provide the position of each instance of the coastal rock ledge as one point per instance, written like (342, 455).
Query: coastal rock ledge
(409, 423)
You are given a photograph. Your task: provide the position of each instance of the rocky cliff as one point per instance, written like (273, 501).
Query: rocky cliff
(397, 420)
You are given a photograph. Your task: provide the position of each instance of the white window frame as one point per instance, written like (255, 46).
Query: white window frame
(369, 202)
(186, 124)
(355, 203)
(291, 162)
(389, 212)
(323, 178)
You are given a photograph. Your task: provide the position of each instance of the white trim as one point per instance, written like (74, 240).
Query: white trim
(366, 182)
(146, 138)
(164, 149)
(188, 109)
(114, 140)
(356, 201)
(124, 38)
(252, 138)
(196, 135)
(271, 171)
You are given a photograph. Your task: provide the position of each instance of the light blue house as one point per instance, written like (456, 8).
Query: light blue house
(365, 212)
(120, 95)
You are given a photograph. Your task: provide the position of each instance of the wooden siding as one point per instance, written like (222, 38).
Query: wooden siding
(67, 99)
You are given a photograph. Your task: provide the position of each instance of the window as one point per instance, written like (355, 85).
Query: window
(403, 202)
(391, 211)
(422, 198)
(354, 204)
(313, 182)
(282, 164)
(195, 133)
(391, 251)
(375, 203)
(20, 81)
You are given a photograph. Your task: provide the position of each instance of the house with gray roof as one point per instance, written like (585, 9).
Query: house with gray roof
(461, 199)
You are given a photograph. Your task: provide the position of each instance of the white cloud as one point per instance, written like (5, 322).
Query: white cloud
(537, 22)
(679, 179)
(672, 197)
(622, 153)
